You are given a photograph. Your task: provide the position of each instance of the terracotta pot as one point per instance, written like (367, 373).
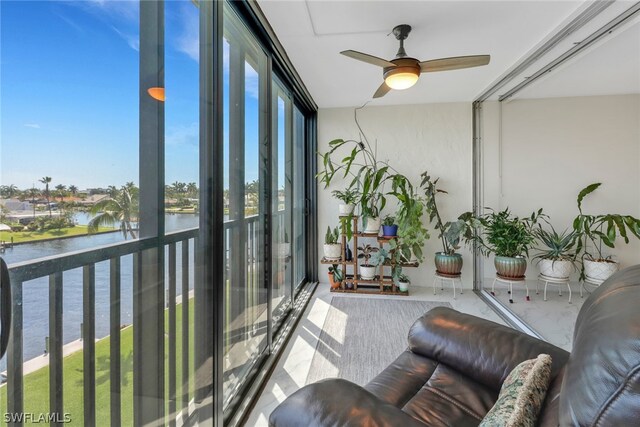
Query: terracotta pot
(448, 264)
(558, 269)
(332, 281)
(510, 267)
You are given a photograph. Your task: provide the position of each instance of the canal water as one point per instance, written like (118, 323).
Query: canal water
(36, 292)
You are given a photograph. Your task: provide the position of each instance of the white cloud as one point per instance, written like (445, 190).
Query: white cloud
(188, 42)
(32, 125)
(133, 40)
(183, 135)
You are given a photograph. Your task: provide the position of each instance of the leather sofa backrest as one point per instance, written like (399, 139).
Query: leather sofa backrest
(601, 384)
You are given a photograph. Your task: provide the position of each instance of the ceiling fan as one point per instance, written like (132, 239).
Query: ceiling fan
(403, 71)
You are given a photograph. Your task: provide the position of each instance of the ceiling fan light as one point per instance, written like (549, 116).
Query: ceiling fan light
(401, 77)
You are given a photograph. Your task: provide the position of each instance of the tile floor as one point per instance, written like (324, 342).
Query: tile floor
(553, 319)
(293, 367)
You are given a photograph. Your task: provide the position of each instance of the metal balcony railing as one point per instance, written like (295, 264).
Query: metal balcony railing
(53, 267)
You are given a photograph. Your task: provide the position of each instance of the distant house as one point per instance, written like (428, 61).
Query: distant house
(93, 199)
(16, 205)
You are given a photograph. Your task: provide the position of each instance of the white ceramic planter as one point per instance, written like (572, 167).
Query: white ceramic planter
(344, 210)
(599, 271)
(556, 269)
(403, 286)
(332, 251)
(372, 225)
(368, 272)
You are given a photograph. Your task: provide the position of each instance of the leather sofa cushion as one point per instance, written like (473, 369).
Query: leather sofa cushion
(431, 392)
(479, 348)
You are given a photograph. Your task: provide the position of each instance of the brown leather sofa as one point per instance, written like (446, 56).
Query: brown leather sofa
(455, 364)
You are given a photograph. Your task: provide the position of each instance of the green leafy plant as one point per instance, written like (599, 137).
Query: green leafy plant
(389, 220)
(451, 233)
(411, 232)
(557, 246)
(332, 236)
(337, 273)
(368, 174)
(507, 235)
(403, 278)
(348, 196)
(601, 229)
(380, 257)
(399, 253)
(366, 252)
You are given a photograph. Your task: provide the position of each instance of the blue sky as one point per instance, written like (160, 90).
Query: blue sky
(69, 93)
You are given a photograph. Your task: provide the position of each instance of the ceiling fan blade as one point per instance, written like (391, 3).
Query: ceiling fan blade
(454, 63)
(382, 90)
(369, 59)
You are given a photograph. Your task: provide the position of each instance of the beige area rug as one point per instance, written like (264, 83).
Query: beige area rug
(361, 336)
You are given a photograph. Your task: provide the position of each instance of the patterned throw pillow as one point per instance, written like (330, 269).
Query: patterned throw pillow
(521, 395)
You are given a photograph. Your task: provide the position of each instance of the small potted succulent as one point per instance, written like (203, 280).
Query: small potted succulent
(403, 282)
(509, 238)
(335, 276)
(367, 269)
(598, 230)
(555, 259)
(349, 198)
(332, 249)
(389, 226)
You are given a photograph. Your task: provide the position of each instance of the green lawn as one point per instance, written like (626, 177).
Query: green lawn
(36, 384)
(32, 236)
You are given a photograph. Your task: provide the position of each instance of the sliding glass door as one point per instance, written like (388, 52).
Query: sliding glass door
(245, 105)
(281, 202)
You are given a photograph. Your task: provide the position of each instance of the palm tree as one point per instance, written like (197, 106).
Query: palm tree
(73, 190)
(61, 190)
(121, 208)
(192, 189)
(8, 191)
(112, 191)
(46, 181)
(33, 193)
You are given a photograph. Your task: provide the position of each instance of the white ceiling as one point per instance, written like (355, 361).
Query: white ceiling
(314, 32)
(610, 68)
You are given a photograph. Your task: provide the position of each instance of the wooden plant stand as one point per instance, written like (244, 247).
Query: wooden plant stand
(381, 284)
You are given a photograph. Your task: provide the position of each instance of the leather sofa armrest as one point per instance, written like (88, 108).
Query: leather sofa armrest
(479, 348)
(337, 402)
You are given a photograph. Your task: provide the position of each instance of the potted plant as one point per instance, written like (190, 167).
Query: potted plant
(509, 238)
(389, 227)
(335, 276)
(403, 283)
(349, 198)
(412, 234)
(555, 259)
(332, 249)
(448, 261)
(367, 269)
(369, 179)
(599, 230)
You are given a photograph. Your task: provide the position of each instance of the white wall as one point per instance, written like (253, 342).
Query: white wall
(413, 138)
(551, 148)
